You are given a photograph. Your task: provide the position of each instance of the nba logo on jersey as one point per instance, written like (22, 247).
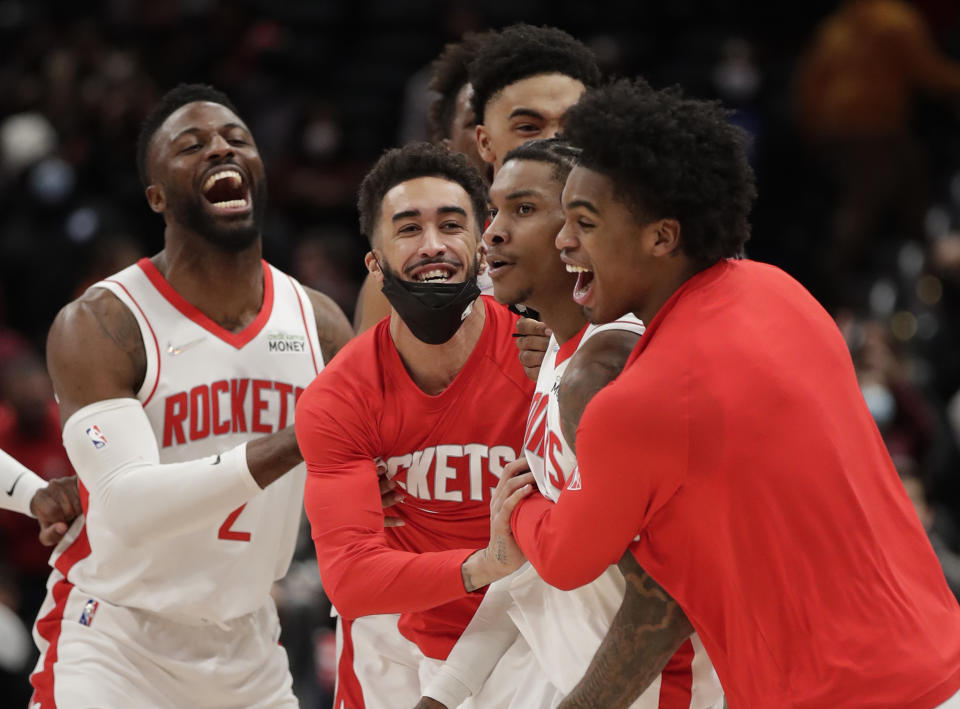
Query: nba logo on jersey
(89, 610)
(96, 437)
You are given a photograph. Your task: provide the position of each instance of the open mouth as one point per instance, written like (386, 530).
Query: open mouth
(496, 266)
(226, 191)
(584, 284)
(433, 273)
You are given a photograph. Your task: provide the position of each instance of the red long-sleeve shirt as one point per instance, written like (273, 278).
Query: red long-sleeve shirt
(446, 450)
(738, 451)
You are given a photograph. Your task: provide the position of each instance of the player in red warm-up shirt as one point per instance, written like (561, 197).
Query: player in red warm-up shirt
(434, 393)
(735, 455)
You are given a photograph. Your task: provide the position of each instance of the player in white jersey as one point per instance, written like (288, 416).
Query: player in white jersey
(54, 504)
(177, 380)
(562, 628)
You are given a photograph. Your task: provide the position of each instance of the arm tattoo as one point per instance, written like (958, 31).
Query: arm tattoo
(646, 632)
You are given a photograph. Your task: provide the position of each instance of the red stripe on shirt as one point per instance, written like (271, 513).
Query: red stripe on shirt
(156, 344)
(676, 680)
(306, 328)
(236, 339)
(349, 694)
(49, 626)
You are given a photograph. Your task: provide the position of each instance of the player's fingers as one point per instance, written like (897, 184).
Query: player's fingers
(514, 499)
(506, 487)
(520, 465)
(386, 485)
(391, 498)
(73, 495)
(63, 509)
(533, 373)
(393, 522)
(532, 343)
(529, 326)
(51, 534)
(531, 358)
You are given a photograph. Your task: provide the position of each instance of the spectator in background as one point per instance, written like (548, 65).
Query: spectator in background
(29, 432)
(854, 90)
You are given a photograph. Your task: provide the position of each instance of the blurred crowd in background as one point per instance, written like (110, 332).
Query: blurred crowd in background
(853, 108)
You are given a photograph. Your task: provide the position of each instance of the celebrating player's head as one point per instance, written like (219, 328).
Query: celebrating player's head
(524, 263)
(524, 78)
(201, 168)
(452, 121)
(422, 208)
(663, 189)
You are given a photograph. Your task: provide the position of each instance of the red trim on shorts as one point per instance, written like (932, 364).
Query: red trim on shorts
(676, 680)
(156, 344)
(349, 694)
(236, 339)
(306, 328)
(49, 626)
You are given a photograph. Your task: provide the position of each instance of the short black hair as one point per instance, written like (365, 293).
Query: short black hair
(670, 157)
(521, 51)
(555, 151)
(448, 76)
(176, 97)
(415, 160)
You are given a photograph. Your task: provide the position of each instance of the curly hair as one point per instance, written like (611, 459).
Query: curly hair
(555, 151)
(449, 75)
(408, 163)
(521, 51)
(670, 157)
(176, 97)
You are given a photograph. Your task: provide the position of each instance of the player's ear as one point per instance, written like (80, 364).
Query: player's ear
(664, 235)
(156, 198)
(373, 266)
(483, 145)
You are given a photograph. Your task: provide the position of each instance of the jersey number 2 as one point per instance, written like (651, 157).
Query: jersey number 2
(231, 534)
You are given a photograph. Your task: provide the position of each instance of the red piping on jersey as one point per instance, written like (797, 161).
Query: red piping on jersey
(236, 339)
(49, 626)
(306, 328)
(156, 344)
(570, 346)
(676, 680)
(349, 694)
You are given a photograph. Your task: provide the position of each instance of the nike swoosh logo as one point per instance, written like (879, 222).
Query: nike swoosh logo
(217, 461)
(174, 351)
(16, 480)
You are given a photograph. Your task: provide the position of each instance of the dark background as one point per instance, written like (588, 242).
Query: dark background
(327, 86)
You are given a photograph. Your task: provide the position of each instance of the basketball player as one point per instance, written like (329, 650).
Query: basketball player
(524, 79)
(452, 124)
(562, 628)
(177, 380)
(734, 456)
(435, 393)
(54, 504)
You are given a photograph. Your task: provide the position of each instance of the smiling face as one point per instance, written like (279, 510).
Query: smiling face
(530, 108)
(615, 257)
(426, 231)
(206, 175)
(524, 264)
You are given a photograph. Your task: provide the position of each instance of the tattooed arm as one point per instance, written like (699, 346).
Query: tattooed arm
(597, 363)
(646, 632)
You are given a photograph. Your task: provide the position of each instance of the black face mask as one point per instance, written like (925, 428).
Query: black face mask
(432, 311)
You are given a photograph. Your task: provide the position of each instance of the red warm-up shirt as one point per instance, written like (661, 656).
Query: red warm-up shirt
(447, 451)
(737, 445)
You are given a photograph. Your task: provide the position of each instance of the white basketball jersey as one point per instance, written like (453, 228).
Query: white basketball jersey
(565, 628)
(207, 390)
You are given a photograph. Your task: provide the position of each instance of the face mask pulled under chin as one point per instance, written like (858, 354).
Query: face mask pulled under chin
(433, 311)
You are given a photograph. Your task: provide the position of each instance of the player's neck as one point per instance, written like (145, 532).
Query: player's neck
(434, 367)
(562, 315)
(226, 287)
(662, 290)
